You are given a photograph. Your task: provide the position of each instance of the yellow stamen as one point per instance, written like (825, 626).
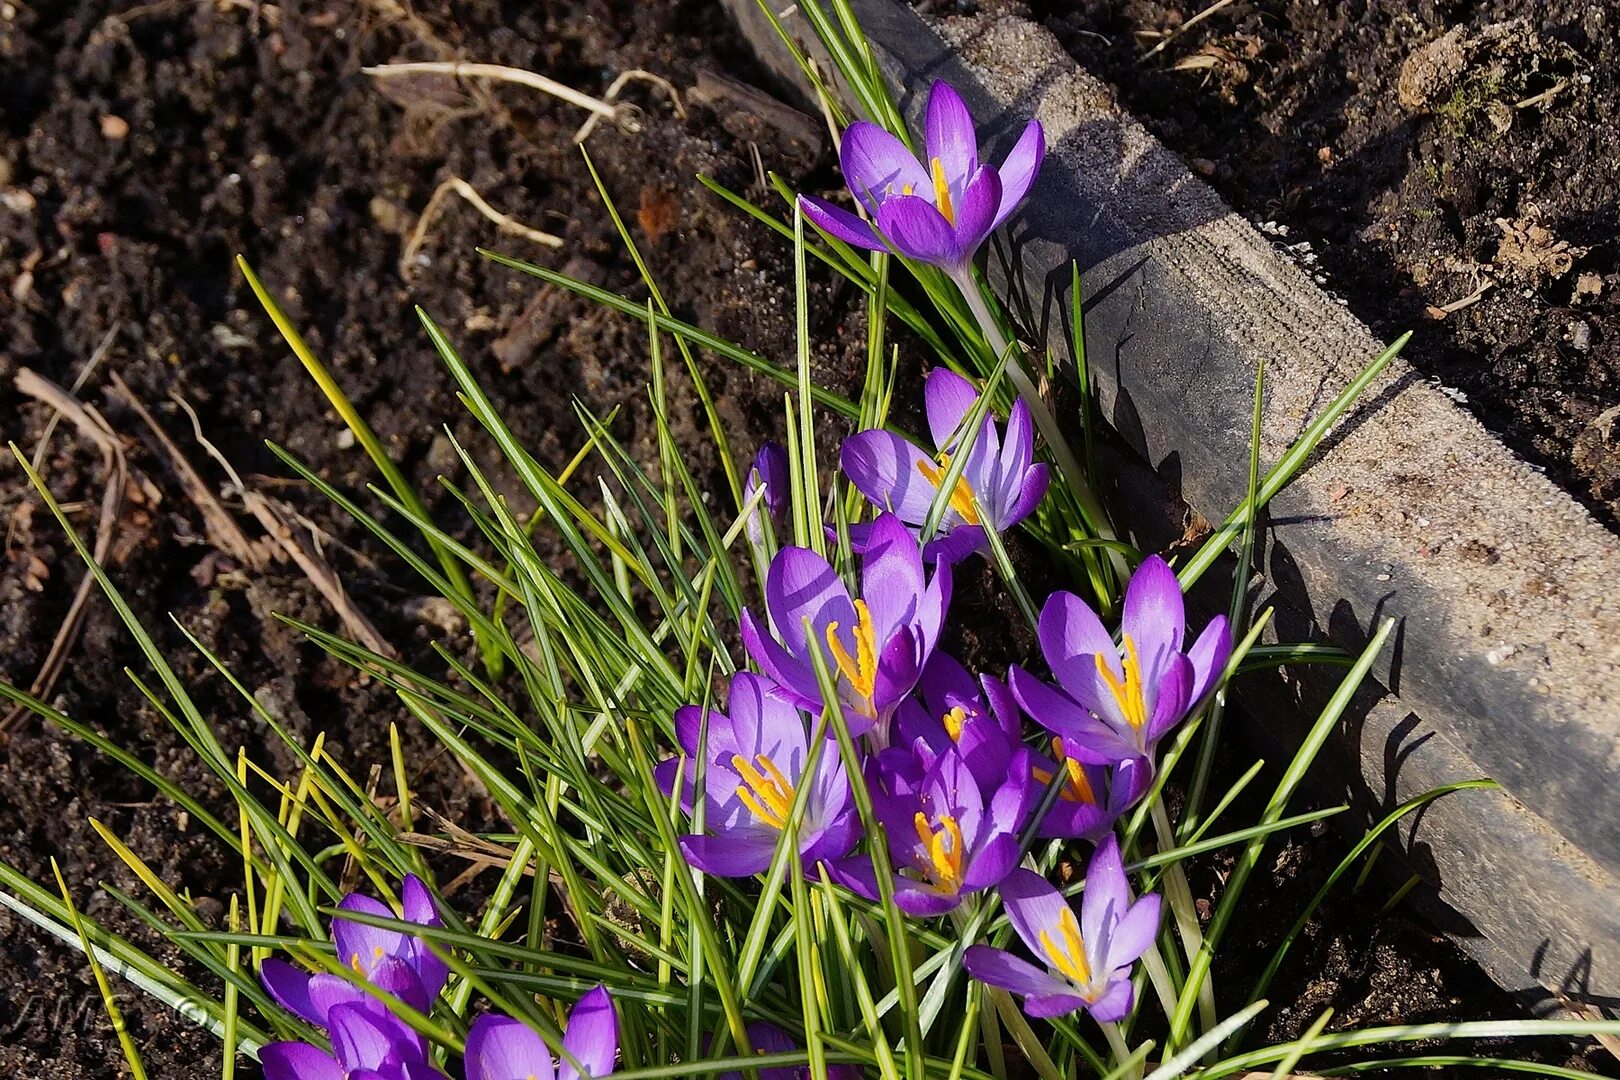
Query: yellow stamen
(769, 797)
(1071, 958)
(1077, 788)
(907, 189)
(1127, 693)
(860, 669)
(953, 722)
(944, 850)
(961, 494)
(942, 191)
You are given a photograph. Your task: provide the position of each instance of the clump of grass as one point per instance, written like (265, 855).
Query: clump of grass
(762, 911)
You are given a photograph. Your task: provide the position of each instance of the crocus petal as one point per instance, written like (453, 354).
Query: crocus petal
(1174, 695)
(1018, 170)
(327, 992)
(736, 854)
(1094, 741)
(947, 397)
(948, 136)
(1000, 968)
(416, 902)
(500, 1048)
(1208, 656)
(923, 901)
(877, 166)
(1135, 933)
(956, 545)
(1031, 490)
(838, 835)
(1076, 820)
(1003, 706)
(290, 987)
(763, 724)
(1018, 445)
(792, 676)
(689, 726)
(885, 468)
(898, 666)
(936, 600)
(919, 231)
(1071, 636)
(892, 580)
(358, 943)
(1010, 800)
(1154, 616)
(976, 210)
(800, 584)
(300, 1061)
(1114, 1002)
(592, 1038)
(840, 224)
(855, 874)
(1045, 1006)
(361, 1039)
(992, 863)
(947, 684)
(1033, 906)
(1107, 895)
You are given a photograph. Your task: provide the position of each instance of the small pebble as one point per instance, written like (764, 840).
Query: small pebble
(1580, 336)
(114, 127)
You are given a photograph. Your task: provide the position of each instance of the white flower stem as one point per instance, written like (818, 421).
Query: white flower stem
(1119, 1047)
(1159, 976)
(1178, 895)
(1045, 422)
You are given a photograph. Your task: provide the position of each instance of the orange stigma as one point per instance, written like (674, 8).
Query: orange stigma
(942, 190)
(860, 669)
(961, 495)
(944, 849)
(768, 794)
(1128, 693)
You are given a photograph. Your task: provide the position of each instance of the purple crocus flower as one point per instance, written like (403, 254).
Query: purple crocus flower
(945, 839)
(1114, 702)
(951, 711)
(1000, 484)
(399, 964)
(757, 754)
(770, 1039)
(937, 212)
(364, 1047)
(878, 642)
(771, 469)
(1087, 960)
(500, 1048)
(1092, 796)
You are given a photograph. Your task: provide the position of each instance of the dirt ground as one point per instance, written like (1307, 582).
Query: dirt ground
(1446, 166)
(140, 149)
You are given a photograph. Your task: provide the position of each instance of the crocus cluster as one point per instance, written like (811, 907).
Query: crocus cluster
(370, 1042)
(942, 751)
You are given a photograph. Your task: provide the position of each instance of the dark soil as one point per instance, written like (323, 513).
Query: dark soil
(1412, 155)
(140, 149)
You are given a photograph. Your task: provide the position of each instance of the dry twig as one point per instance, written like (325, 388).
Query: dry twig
(456, 185)
(502, 73)
(93, 428)
(1183, 28)
(218, 524)
(616, 88)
